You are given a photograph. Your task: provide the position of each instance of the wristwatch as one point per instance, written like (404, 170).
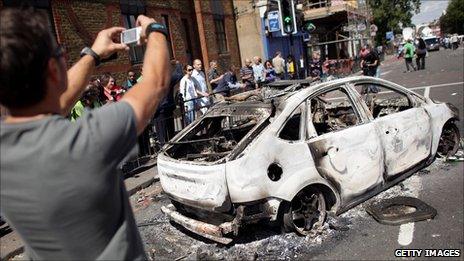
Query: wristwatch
(89, 51)
(156, 27)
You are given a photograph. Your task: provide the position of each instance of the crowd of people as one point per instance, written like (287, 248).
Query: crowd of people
(451, 41)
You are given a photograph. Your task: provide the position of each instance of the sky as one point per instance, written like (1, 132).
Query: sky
(429, 10)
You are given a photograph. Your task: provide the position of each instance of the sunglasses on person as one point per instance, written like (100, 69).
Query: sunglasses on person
(59, 51)
(190, 69)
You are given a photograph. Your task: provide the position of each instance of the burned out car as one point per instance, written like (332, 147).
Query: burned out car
(291, 156)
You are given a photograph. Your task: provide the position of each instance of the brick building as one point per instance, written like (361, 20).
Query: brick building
(202, 29)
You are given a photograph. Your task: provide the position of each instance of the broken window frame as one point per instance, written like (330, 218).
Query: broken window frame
(414, 100)
(222, 111)
(302, 132)
(348, 91)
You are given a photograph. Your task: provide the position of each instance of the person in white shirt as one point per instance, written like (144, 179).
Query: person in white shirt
(187, 89)
(201, 88)
(454, 41)
(258, 70)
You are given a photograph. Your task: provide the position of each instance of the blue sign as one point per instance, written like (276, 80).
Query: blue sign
(273, 20)
(389, 36)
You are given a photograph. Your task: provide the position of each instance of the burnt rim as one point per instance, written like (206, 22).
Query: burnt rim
(306, 213)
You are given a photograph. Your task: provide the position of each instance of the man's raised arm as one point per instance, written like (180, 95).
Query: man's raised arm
(79, 74)
(145, 96)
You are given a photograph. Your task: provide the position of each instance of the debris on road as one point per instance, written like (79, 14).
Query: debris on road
(400, 210)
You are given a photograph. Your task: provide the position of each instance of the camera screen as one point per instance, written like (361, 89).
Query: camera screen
(129, 36)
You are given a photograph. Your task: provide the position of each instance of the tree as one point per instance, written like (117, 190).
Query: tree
(388, 15)
(453, 20)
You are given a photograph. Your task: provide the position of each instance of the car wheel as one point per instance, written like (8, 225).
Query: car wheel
(449, 141)
(306, 212)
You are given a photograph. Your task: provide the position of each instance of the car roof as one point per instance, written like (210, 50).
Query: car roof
(299, 90)
(300, 95)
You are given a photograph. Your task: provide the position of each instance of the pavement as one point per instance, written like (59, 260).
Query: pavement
(11, 243)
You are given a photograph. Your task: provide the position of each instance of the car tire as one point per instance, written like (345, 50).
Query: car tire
(449, 141)
(305, 213)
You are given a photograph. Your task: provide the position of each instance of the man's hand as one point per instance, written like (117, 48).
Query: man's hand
(105, 45)
(144, 21)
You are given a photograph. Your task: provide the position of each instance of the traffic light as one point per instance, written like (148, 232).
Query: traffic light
(287, 17)
(308, 27)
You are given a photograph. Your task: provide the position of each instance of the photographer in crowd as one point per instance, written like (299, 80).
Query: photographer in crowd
(60, 187)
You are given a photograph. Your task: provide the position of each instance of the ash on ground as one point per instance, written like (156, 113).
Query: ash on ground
(166, 240)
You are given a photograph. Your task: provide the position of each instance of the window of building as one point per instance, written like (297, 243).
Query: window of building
(165, 21)
(130, 9)
(187, 39)
(136, 52)
(220, 34)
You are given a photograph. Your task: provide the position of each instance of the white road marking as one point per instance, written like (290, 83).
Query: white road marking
(385, 73)
(454, 93)
(427, 92)
(406, 234)
(436, 85)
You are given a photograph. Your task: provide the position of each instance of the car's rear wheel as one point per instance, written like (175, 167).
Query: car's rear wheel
(306, 212)
(449, 141)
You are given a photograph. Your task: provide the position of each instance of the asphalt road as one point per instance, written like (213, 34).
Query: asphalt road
(354, 235)
(442, 79)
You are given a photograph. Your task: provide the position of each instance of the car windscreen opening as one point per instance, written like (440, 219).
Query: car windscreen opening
(214, 137)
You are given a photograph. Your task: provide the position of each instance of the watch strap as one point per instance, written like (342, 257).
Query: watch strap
(156, 27)
(89, 51)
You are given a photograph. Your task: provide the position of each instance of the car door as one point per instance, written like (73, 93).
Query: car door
(403, 126)
(344, 143)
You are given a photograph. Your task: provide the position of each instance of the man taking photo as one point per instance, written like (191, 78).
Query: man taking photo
(60, 188)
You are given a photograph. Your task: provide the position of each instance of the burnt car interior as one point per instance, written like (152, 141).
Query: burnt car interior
(291, 129)
(332, 111)
(213, 138)
(382, 101)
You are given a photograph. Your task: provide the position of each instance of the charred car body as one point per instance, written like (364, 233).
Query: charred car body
(291, 156)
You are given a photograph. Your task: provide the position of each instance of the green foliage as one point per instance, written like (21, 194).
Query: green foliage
(453, 20)
(388, 14)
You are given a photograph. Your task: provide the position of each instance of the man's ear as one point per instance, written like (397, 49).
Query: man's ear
(53, 72)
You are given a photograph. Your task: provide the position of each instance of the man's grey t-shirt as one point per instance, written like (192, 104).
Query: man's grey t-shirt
(60, 187)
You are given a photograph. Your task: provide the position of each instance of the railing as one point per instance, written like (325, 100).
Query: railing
(160, 130)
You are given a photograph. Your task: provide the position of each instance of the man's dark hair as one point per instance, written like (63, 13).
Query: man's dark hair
(26, 46)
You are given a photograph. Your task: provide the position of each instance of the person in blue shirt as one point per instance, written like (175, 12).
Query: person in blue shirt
(229, 82)
(131, 80)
